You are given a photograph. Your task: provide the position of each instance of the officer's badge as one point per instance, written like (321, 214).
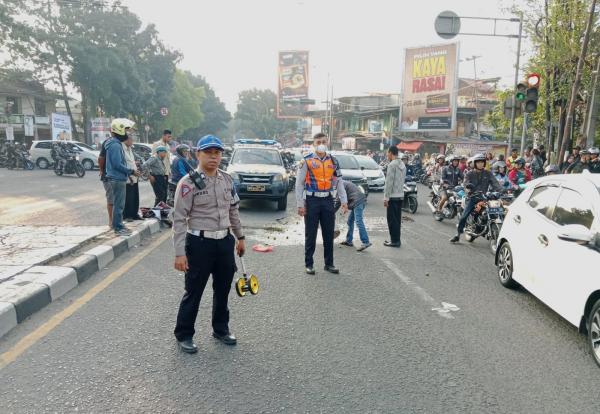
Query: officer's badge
(185, 190)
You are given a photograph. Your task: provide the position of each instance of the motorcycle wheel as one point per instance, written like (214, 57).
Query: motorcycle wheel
(494, 232)
(58, 171)
(413, 204)
(79, 170)
(29, 165)
(470, 229)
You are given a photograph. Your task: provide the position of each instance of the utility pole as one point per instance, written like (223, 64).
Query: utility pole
(475, 90)
(524, 135)
(590, 130)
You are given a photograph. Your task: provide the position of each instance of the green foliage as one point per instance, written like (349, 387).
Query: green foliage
(256, 115)
(185, 110)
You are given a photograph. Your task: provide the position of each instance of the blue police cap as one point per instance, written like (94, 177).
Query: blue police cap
(209, 141)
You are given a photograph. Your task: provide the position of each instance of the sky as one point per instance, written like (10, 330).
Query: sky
(359, 45)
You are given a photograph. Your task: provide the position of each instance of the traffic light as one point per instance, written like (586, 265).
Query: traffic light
(532, 94)
(521, 91)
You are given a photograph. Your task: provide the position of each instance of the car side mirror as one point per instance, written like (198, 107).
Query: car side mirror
(576, 233)
(362, 168)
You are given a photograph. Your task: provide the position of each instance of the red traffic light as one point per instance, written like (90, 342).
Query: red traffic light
(533, 80)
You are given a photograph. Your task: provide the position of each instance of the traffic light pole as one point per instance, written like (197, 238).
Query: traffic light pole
(513, 113)
(524, 135)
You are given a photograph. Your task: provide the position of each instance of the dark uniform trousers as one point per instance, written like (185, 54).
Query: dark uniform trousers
(394, 218)
(160, 188)
(206, 257)
(319, 210)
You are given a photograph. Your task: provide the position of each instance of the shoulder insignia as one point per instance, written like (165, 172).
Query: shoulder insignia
(185, 190)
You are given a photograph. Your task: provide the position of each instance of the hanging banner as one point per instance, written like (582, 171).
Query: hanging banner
(61, 127)
(429, 88)
(100, 129)
(293, 84)
(28, 125)
(10, 133)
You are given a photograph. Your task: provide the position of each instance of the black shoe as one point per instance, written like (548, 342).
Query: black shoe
(332, 269)
(390, 244)
(455, 239)
(310, 270)
(227, 339)
(346, 243)
(188, 346)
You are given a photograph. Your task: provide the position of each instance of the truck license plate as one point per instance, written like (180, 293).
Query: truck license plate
(256, 188)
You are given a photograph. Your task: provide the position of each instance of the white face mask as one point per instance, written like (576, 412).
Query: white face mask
(322, 148)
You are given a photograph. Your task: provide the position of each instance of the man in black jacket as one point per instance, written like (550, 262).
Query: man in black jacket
(451, 177)
(478, 180)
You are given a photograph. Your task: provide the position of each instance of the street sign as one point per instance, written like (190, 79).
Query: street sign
(164, 111)
(146, 128)
(447, 24)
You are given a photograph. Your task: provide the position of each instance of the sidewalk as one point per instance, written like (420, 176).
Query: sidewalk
(39, 264)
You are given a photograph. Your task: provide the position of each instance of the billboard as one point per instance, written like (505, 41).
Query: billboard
(429, 88)
(293, 83)
(61, 127)
(100, 129)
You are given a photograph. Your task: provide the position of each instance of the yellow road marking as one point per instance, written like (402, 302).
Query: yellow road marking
(24, 344)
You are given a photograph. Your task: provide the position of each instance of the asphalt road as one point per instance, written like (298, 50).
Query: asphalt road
(367, 340)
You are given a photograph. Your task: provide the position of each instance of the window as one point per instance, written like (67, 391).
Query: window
(256, 156)
(44, 145)
(40, 107)
(572, 208)
(347, 162)
(85, 146)
(543, 199)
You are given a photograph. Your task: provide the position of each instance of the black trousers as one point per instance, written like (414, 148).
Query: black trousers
(132, 201)
(206, 257)
(319, 211)
(394, 219)
(160, 188)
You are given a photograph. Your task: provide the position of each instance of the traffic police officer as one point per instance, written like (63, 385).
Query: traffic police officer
(318, 180)
(206, 213)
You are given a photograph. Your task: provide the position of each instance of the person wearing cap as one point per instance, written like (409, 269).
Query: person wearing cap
(154, 168)
(205, 220)
(594, 163)
(318, 181)
(582, 164)
(117, 172)
(180, 166)
(165, 141)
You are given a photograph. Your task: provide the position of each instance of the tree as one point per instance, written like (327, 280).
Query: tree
(216, 116)
(256, 112)
(185, 110)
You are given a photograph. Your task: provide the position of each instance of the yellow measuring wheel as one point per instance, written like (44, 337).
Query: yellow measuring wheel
(246, 284)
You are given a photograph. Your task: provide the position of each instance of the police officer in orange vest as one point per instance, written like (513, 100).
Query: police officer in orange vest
(318, 180)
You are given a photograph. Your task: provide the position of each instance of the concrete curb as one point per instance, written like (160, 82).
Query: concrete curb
(28, 292)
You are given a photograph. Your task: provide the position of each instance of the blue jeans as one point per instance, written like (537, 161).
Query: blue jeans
(118, 198)
(356, 215)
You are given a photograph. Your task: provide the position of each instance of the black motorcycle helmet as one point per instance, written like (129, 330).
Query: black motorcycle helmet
(181, 148)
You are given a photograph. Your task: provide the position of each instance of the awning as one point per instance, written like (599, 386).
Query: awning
(409, 146)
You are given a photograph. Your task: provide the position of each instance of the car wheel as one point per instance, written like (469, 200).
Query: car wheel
(88, 164)
(594, 331)
(282, 203)
(42, 163)
(506, 266)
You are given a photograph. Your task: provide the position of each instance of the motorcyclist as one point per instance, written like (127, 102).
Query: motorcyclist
(519, 175)
(582, 164)
(436, 172)
(478, 181)
(60, 153)
(451, 177)
(499, 171)
(410, 169)
(552, 169)
(594, 163)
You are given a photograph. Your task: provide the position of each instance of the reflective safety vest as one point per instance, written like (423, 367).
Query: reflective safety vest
(319, 175)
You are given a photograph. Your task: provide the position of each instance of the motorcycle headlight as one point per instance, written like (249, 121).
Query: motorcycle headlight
(495, 203)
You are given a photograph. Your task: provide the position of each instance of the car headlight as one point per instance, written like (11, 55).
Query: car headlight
(278, 177)
(235, 176)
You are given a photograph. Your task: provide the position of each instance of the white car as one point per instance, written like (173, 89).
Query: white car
(40, 154)
(550, 244)
(373, 172)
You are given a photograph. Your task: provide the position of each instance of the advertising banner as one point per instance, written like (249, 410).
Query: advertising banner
(28, 122)
(100, 129)
(293, 83)
(429, 88)
(61, 127)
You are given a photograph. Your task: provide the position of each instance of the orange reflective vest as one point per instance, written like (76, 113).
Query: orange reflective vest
(319, 175)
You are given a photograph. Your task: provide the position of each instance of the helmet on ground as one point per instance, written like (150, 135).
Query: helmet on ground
(497, 165)
(552, 168)
(119, 125)
(594, 151)
(181, 148)
(478, 157)
(520, 161)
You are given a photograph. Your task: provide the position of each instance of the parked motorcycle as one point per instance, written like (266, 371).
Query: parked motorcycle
(486, 219)
(410, 203)
(70, 164)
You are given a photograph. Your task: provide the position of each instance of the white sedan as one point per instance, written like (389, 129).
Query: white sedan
(550, 245)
